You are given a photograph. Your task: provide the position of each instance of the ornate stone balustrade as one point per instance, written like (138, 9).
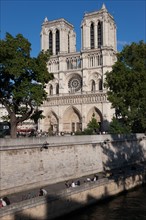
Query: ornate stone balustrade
(71, 99)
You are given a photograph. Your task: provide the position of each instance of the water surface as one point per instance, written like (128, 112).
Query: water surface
(128, 206)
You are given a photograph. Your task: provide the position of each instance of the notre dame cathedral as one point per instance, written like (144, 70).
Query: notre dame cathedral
(77, 90)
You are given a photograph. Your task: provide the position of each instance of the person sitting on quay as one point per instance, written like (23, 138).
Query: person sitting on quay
(73, 184)
(88, 179)
(78, 183)
(42, 192)
(67, 184)
(4, 202)
(95, 178)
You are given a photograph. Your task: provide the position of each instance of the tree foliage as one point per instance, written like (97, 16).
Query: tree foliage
(117, 126)
(37, 114)
(22, 79)
(93, 124)
(126, 85)
(92, 127)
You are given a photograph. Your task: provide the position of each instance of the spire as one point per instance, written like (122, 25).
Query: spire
(103, 7)
(46, 19)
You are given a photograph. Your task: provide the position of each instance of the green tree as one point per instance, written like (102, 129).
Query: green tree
(92, 126)
(118, 127)
(37, 114)
(22, 79)
(126, 85)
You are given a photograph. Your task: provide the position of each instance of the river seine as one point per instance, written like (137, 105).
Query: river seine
(128, 206)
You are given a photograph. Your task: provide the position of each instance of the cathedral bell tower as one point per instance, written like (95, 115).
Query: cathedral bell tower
(98, 30)
(58, 36)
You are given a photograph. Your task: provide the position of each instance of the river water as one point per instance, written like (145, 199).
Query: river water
(128, 206)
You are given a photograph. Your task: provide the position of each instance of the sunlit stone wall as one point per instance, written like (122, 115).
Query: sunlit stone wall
(29, 163)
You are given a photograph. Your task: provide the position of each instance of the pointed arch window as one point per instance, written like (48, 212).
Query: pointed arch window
(51, 90)
(68, 44)
(57, 41)
(93, 86)
(98, 60)
(51, 42)
(68, 64)
(100, 84)
(57, 89)
(91, 62)
(101, 60)
(92, 35)
(100, 34)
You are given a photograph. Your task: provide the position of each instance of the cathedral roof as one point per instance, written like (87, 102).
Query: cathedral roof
(57, 21)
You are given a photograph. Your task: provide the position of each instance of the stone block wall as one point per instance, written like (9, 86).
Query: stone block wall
(33, 162)
(69, 200)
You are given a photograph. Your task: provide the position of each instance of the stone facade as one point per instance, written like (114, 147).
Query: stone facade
(77, 90)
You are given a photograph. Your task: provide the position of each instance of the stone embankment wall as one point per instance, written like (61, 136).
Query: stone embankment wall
(32, 162)
(47, 208)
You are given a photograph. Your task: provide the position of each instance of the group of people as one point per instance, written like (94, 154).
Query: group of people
(78, 183)
(95, 178)
(4, 202)
(72, 184)
(42, 192)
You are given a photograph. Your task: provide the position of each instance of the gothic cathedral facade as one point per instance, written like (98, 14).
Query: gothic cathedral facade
(77, 90)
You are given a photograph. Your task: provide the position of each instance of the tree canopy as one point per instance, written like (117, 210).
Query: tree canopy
(93, 127)
(126, 85)
(22, 79)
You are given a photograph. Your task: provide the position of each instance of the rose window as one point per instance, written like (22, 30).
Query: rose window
(75, 83)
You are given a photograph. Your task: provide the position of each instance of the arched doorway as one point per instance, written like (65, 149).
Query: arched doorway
(72, 120)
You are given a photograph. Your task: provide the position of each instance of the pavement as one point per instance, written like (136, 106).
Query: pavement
(54, 189)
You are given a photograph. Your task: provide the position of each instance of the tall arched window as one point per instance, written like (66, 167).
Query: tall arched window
(57, 41)
(51, 90)
(68, 44)
(92, 36)
(57, 89)
(100, 34)
(93, 86)
(51, 42)
(98, 60)
(101, 61)
(100, 84)
(91, 62)
(68, 64)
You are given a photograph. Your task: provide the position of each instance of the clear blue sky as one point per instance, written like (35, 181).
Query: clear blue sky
(27, 16)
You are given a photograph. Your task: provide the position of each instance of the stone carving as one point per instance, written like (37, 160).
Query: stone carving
(75, 83)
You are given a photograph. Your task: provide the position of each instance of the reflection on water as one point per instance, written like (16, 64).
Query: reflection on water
(128, 206)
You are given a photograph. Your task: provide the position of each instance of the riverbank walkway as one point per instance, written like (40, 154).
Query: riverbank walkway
(54, 189)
